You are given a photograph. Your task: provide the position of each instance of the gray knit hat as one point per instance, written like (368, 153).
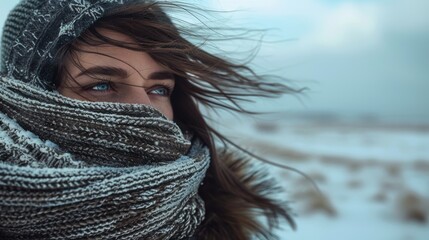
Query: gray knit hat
(36, 29)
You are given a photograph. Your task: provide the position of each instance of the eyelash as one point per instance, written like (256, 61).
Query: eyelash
(90, 87)
(158, 87)
(111, 84)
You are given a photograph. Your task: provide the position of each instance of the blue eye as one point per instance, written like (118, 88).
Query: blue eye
(162, 91)
(101, 87)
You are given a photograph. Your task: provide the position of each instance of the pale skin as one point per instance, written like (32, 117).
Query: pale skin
(114, 74)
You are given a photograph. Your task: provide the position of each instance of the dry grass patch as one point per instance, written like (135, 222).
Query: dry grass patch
(349, 162)
(267, 127)
(335, 160)
(413, 207)
(355, 166)
(313, 202)
(381, 197)
(278, 151)
(392, 186)
(354, 184)
(317, 177)
(421, 165)
(304, 183)
(393, 169)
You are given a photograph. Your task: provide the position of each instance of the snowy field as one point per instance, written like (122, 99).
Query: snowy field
(374, 178)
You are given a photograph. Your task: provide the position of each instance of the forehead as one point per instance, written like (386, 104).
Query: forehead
(105, 54)
(91, 41)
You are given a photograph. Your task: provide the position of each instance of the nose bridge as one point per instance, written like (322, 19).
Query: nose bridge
(133, 91)
(137, 94)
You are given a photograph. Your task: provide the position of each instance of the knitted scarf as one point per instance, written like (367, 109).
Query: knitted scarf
(71, 169)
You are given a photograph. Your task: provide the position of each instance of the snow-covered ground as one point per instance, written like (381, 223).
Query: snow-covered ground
(373, 178)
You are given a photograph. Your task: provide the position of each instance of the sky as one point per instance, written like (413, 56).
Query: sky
(357, 58)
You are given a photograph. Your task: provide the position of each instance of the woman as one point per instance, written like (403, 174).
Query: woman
(102, 136)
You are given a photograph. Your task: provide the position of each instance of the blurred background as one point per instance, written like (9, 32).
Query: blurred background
(361, 130)
(360, 58)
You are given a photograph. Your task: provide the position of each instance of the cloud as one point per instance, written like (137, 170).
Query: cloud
(372, 55)
(256, 7)
(327, 26)
(347, 27)
(270, 7)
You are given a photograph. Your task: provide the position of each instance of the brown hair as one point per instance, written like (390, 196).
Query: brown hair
(201, 79)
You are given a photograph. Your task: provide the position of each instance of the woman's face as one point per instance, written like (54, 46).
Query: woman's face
(113, 74)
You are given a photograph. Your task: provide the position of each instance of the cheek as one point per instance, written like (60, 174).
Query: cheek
(70, 93)
(165, 108)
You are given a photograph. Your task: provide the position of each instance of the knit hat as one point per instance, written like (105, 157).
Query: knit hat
(36, 29)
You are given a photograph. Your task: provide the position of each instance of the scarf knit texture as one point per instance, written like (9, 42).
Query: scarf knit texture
(71, 169)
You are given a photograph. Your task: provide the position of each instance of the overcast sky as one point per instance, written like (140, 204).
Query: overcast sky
(356, 56)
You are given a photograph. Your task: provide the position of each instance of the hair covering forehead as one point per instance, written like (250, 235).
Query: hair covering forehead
(36, 29)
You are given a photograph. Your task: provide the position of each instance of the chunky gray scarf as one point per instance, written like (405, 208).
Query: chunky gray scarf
(71, 169)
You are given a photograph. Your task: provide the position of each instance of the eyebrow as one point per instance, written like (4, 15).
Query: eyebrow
(161, 75)
(119, 72)
(104, 70)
